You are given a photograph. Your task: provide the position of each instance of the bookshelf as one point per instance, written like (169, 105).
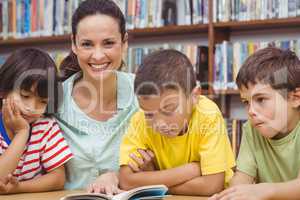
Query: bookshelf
(135, 34)
(292, 22)
(214, 32)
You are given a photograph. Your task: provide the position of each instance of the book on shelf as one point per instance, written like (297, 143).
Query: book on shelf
(234, 129)
(244, 10)
(202, 66)
(2, 59)
(169, 12)
(1, 19)
(141, 193)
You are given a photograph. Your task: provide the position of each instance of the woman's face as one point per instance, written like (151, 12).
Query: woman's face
(99, 46)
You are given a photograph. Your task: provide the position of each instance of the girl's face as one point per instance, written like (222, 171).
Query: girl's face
(98, 46)
(31, 106)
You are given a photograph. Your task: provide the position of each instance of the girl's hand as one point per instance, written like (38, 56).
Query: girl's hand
(12, 116)
(9, 185)
(107, 183)
(145, 163)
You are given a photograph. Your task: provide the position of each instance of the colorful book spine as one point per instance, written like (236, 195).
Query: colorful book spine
(230, 56)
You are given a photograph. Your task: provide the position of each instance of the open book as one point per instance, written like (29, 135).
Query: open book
(141, 193)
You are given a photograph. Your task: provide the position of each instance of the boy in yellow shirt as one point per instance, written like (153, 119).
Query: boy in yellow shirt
(185, 132)
(268, 165)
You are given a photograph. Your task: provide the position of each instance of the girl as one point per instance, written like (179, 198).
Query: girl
(32, 149)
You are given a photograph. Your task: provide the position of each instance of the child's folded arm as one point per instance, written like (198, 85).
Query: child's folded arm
(53, 180)
(203, 185)
(168, 177)
(285, 191)
(10, 158)
(268, 191)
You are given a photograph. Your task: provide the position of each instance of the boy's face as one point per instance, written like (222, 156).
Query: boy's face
(273, 115)
(167, 113)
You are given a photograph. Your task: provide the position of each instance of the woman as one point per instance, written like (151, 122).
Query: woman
(98, 99)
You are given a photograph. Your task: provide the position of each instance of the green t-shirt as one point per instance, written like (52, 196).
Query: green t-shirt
(269, 160)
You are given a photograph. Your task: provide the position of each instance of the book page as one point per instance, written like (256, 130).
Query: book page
(86, 196)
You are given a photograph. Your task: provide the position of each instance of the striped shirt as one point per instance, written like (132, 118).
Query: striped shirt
(46, 150)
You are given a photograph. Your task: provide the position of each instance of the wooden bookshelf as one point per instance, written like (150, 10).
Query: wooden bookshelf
(42, 40)
(133, 35)
(214, 32)
(259, 24)
(168, 31)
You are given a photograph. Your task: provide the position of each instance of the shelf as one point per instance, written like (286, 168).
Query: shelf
(168, 31)
(133, 35)
(259, 24)
(42, 40)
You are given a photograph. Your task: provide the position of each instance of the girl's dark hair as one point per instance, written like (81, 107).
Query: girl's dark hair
(27, 67)
(87, 8)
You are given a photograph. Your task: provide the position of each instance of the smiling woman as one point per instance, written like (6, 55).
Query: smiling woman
(98, 99)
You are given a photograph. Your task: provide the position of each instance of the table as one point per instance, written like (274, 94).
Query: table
(56, 195)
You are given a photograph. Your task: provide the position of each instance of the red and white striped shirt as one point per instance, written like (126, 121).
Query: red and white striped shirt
(45, 150)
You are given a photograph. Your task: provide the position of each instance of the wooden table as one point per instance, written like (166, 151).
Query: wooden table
(58, 194)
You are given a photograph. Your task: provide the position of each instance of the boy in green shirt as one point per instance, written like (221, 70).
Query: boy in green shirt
(268, 164)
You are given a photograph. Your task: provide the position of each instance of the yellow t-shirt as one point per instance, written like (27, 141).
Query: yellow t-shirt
(206, 141)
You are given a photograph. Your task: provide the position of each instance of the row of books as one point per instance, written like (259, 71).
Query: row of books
(234, 130)
(196, 53)
(157, 13)
(30, 18)
(230, 56)
(136, 55)
(243, 10)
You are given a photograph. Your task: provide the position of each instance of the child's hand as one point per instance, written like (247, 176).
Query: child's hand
(244, 192)
(145, 163)
(107, 183)
(9, 185)
(12, 116)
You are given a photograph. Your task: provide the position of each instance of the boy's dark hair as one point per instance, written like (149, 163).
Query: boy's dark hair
(87, 8)
(164, 69)
(273, 66)
(29, 66)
